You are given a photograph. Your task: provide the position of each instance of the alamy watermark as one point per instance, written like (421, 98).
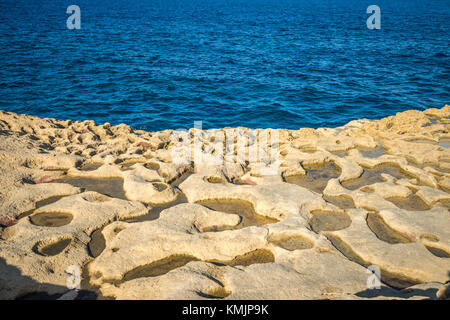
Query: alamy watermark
(372, 22)
(74, 20)
(374, 280)
(73, 282)
(258, 148)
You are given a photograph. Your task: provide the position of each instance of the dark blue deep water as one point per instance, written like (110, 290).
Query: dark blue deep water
(158, 64)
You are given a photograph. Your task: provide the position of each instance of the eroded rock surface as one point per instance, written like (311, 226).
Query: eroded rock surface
(231, 213)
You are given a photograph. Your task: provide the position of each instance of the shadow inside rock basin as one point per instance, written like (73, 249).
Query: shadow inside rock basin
(292, 243)
(111, 187)
(159, 267)
(152, 165)
(329, 221)
(97, 243)
(412, 203)
(341, 202)
(40, 204)
(374, 153)
(247, 259)
(316, 179)
(241, 208)
(54, 248)
(155, 211)
(91, 166)
(51, 219)
(438, 252)
(383, 231)
(163, 266)
(217, 293)
(371, 176)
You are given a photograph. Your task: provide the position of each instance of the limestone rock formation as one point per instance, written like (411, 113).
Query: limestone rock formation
(232, 213)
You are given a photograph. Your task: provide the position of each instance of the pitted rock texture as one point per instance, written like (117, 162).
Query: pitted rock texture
(160, 215)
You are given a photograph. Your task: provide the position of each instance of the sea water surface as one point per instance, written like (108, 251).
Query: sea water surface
(158, 64)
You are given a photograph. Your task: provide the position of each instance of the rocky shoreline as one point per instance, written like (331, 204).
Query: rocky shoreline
(194, 215)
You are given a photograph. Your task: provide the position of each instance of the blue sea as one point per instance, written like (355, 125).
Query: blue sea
(159, 64)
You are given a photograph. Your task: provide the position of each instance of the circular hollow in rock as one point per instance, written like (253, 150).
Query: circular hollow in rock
(292, 243)
(329, 221)
(51, 219)
(97, 243)
(54, 247)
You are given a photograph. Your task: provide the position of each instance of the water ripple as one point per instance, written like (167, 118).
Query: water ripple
(254, 63)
